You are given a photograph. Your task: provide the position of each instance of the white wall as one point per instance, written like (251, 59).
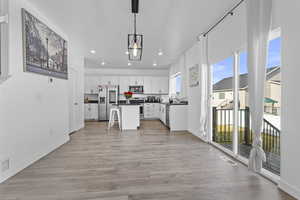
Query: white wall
(34, 117)
(290, 151)
(193, 93)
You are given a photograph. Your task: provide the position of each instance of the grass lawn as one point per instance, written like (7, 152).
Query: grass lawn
(224, 134)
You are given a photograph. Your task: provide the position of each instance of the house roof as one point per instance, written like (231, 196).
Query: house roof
(226, 83)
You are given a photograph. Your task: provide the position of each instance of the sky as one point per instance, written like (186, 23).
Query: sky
(224, 68)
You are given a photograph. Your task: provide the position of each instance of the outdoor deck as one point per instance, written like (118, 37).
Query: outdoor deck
(223, 133)
(273, 160)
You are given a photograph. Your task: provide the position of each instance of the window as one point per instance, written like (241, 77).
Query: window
(175, 84)
(221, 95)
(178, 83)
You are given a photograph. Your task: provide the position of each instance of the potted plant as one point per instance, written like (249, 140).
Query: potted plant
(128, 95)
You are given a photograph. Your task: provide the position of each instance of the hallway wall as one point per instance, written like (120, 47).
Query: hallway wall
(34, 117)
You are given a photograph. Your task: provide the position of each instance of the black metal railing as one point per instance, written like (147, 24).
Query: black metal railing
(271, 138)
(223, 132)
(223, 125)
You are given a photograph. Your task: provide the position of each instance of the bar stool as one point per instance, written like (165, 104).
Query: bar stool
(112, 116)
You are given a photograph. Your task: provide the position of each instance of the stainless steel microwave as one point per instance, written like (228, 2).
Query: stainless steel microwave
(138, 89)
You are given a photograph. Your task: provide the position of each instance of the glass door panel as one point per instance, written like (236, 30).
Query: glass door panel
(222, 103)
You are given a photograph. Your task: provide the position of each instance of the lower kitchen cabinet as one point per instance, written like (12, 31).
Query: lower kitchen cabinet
(178, 117)
(149, 111)
(163, 113)
(91, 111)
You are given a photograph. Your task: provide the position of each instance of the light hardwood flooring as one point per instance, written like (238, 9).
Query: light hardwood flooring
(149, 164)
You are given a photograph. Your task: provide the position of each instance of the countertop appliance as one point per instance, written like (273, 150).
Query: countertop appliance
(108, 96)
(137, 89)
(152, 99)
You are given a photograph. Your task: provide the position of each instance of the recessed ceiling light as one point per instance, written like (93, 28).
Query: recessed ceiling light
(155, 64)
(93, 52)
(127, 52)
(129, 64)
(103, 63)
(160, 53)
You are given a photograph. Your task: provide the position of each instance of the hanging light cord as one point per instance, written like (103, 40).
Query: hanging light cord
(135, 27)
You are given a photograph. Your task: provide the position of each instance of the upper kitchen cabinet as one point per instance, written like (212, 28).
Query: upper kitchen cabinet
(160, 85)
(148, 85)
(109, 80)
(124, 84)
(136, 80)
(91, 85)
(86, 85)
(164, 83)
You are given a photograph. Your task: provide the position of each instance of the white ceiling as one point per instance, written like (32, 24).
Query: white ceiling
(103, 25)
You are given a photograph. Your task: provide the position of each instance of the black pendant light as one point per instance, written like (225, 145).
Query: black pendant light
(135, 41)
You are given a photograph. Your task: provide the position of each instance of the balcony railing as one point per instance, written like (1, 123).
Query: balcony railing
(223, 132)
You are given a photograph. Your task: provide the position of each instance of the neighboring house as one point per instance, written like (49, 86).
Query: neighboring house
(223, 94)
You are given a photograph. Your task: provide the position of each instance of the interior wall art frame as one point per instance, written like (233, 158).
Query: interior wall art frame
(194, 76)
(44, 51)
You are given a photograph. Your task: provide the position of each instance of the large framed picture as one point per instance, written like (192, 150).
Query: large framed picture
(194, 76)
(45, 52)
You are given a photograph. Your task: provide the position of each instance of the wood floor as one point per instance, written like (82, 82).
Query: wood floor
(149, 164)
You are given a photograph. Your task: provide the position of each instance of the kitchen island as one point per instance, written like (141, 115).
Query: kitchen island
(130, 116)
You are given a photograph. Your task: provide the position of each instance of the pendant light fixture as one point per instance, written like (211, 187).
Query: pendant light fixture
(135, 41)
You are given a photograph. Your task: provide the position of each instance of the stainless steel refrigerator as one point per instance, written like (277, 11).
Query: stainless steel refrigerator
(108, 97)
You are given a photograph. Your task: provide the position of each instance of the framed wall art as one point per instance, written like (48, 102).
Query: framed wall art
(194, 76)
(45, 52)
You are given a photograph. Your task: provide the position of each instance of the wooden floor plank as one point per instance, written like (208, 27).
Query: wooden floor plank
(148, 164)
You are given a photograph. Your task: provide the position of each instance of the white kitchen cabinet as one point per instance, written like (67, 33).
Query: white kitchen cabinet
(147, 85)
(152, 84)
(164, 85)
(87, 85)
(136, 80)
(109, 80)
(157, 110)
(160, 85)
(91, 85)
(178, 117)
(91, 111)
(124, 84)
(163, 113)
(114, 80)
(149, 111)
(87, 112)
(155, 85)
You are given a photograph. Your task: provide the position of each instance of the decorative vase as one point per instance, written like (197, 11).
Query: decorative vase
(127, 101)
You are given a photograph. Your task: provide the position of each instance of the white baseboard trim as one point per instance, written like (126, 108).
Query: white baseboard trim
(17, 170)
(291, 190)
(198, 135)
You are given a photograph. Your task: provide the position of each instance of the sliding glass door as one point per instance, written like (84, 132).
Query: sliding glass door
(223, 103)
(231, 121)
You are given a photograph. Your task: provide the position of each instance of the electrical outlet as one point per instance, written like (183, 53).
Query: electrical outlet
(5, 165)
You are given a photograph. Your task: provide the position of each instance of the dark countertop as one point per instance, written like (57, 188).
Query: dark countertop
(91, 102)
(179, 104)
(125, 104)
(176, 104)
